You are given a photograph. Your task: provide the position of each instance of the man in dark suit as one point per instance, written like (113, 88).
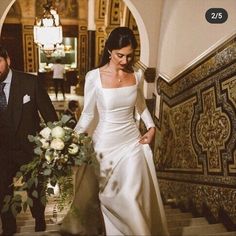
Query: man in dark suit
(21, 100)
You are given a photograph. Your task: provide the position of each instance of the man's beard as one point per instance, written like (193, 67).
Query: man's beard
(3, 75)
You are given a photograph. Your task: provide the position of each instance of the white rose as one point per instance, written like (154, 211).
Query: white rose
(58, 132)
(57, 144)
(45, 133)
(73, 149)
(44, 142)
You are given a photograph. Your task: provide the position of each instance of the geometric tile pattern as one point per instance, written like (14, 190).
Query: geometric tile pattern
(195, 151)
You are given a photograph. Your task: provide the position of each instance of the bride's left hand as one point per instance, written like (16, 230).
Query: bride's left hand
(148, 136)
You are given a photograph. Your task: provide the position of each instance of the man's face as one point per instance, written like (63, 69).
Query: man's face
(4, 68)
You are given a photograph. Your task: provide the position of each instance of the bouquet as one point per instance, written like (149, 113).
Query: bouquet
(58, 149)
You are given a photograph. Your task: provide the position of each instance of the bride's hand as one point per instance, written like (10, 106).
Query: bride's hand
(148, 136)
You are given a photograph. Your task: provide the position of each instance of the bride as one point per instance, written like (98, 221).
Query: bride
(128, 191)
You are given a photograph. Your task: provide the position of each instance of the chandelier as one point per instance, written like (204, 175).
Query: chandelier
(48, 29)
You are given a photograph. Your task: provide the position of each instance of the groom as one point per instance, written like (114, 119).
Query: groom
(22, 98)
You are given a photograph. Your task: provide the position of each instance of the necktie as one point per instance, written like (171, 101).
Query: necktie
(3, 99)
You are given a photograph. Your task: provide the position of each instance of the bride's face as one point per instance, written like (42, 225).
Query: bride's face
(120, 58)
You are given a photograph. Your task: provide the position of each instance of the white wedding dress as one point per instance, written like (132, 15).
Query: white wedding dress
(129, 194)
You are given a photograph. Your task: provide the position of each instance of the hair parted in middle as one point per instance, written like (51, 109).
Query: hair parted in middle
(118, 38)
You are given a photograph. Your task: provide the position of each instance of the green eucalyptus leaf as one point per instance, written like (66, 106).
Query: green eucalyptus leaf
(30, 182)
(13, 210)
(38, 143)
(36, 181)
(38, 151)
(17, 198)
(5, 208)
(35, 194)
(23, 168)
(65, 118)
(50, 125)
(7, 198)
(66, 138)
(25, 206)
(31, 138)
(18, 174)
(29, 201)
(47, 172)
(43, 200)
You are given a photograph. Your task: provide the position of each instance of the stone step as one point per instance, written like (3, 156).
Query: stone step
(221, 234)
(170, 211)
(23, 217)
(187, 222)
(179, 216)
(30, 222)
(176, 231)
(206, 229)
(30, 228)
(45, 233)
(167, 207)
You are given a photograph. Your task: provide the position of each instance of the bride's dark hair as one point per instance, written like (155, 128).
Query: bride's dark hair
(118, 38)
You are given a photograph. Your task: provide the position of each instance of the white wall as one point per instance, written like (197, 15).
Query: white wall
(186, 36)
(147, 14)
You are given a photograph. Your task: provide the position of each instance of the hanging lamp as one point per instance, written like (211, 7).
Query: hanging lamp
(48, 30)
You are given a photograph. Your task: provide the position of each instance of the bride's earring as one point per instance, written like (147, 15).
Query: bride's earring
(109, 54)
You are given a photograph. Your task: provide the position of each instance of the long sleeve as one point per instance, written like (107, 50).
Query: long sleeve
(141, 103)
(89, 104)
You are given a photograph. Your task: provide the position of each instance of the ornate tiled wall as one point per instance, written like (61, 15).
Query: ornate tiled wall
(101, 11)
(195, 149)
(30, 50)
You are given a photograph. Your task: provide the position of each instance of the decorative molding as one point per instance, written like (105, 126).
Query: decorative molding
(212, 65)
(195, 153)
(212, 130)
(82, 50)
(149, 72)
(114, 9)
(101, 9)
(30, 50)
(66, 8)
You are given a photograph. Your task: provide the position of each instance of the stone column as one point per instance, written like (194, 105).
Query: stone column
(91, 34)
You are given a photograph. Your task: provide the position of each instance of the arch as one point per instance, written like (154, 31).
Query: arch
(14, 11)
(144, 40)
(4, 9)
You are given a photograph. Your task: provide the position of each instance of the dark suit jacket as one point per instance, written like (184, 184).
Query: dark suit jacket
(27, 99)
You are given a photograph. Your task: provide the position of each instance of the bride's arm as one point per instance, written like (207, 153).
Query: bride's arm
(87, 114)
(144, 113)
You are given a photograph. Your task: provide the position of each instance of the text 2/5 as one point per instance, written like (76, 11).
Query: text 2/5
(216, 15)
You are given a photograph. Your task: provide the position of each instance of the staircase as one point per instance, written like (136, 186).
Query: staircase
(183, 224)
(179, 224)
(26, 224)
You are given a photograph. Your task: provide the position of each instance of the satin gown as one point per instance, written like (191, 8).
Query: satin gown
(129, 194)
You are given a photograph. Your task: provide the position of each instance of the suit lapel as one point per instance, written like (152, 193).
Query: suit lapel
(15, 99)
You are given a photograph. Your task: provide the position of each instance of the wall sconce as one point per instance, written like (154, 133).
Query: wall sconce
(48, 30)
